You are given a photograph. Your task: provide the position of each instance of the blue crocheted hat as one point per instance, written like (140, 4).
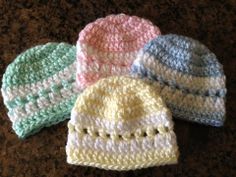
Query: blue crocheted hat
(188, 76)
(39, 87)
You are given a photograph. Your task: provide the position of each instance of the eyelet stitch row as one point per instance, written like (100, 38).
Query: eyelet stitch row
(151, 77)
(131, 135)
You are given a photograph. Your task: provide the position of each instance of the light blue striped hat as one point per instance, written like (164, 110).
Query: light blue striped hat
(188, 76)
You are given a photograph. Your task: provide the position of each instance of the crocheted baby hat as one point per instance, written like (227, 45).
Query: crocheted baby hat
(39, 87)
(187, 75)
(120, 123)
(109, 45)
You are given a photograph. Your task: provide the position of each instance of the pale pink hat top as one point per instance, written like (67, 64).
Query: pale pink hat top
(109, 45)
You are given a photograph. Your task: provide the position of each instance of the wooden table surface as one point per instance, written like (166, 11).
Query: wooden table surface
(205, 151)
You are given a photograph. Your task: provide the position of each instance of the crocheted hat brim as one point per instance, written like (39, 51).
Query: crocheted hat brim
(115, 145)
(121, 162)
(186, 106)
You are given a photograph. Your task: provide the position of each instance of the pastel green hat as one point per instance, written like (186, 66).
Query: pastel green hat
(39, 87)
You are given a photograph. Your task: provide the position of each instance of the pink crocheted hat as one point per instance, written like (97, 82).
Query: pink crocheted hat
(109, 45)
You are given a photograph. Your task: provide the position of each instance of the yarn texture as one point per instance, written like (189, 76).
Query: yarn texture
(109, 45)
(39, 87)
(187, 75)
(121, 123)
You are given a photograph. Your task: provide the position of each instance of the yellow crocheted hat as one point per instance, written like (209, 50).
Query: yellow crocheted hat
(120, 123)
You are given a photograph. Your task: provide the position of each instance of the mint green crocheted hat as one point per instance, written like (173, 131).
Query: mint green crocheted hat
(39, 87)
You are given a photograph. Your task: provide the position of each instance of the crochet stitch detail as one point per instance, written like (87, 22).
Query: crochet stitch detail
(109, 45)
(39, 87)
(121, 123)
(187, 75)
